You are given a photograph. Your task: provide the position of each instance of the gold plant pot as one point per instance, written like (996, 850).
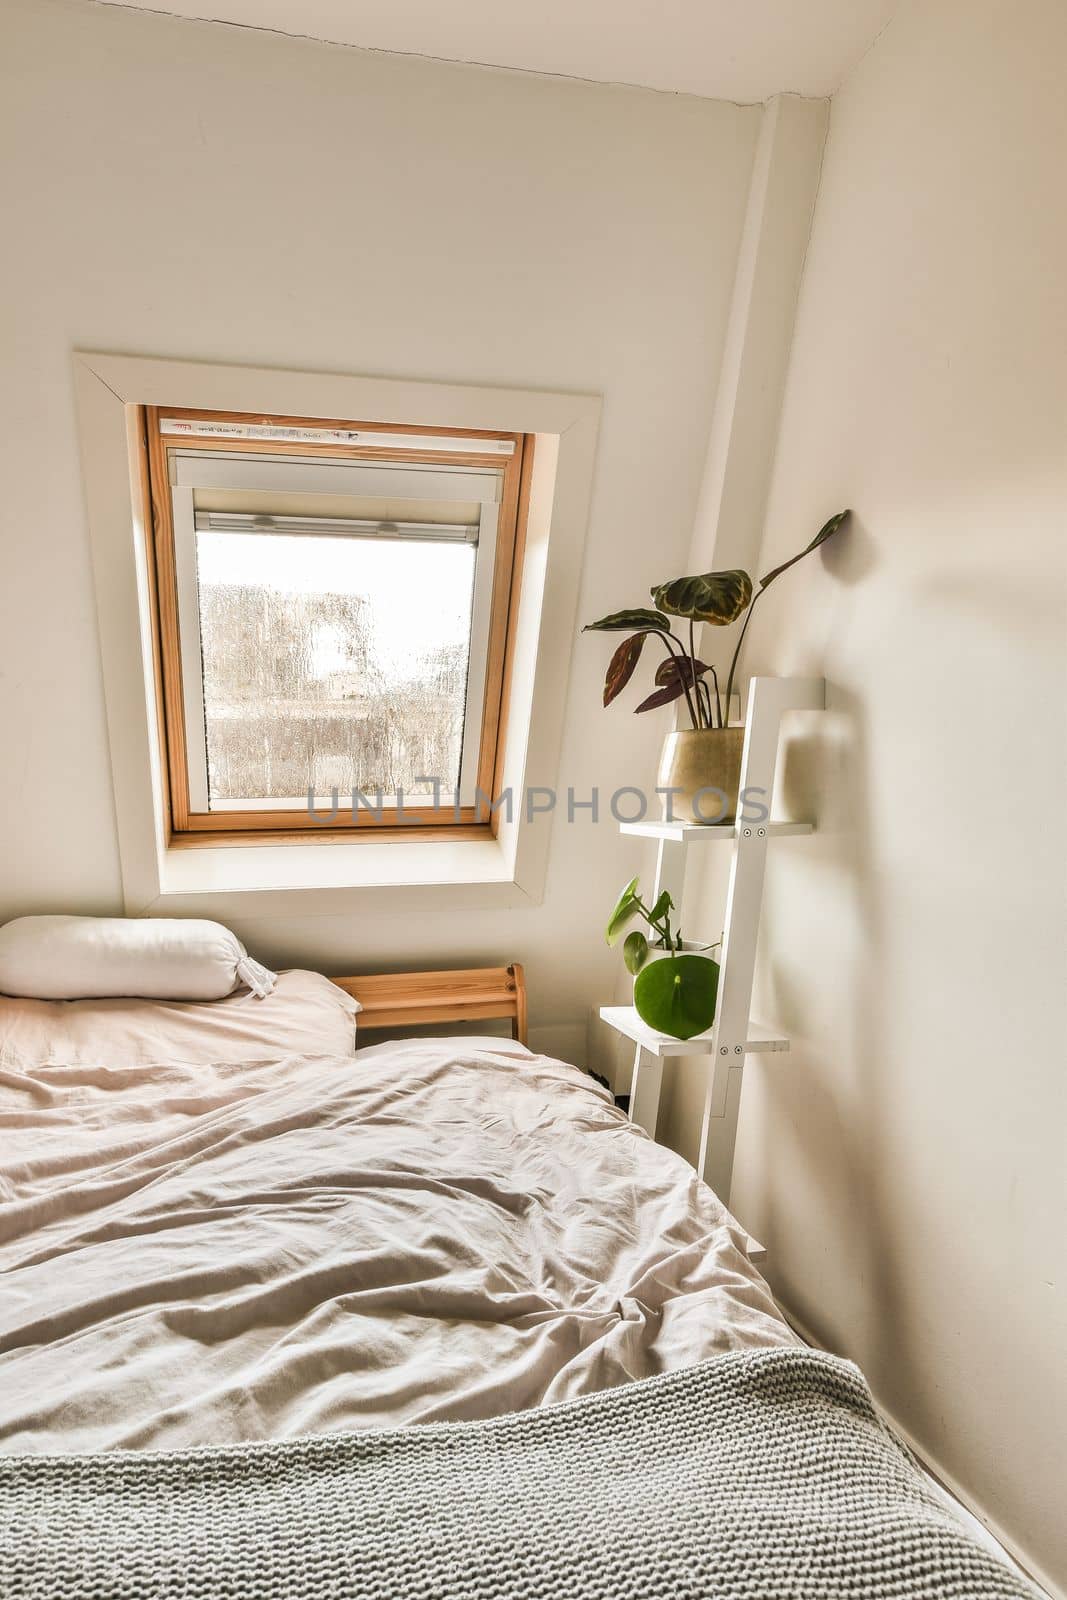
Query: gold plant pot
(703, 766)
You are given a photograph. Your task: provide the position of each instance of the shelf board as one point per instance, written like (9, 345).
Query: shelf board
(624, 1019)
(687, 832)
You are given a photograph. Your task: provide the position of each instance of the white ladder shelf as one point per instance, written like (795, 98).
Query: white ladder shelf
(733, 1035)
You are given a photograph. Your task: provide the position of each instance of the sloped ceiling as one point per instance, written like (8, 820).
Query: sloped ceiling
(725, 49)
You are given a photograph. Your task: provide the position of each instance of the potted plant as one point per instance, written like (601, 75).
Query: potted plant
(674, 990)
(706, 756)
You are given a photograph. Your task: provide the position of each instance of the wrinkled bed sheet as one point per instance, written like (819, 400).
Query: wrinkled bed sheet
(304, 1013)
(421, 1231)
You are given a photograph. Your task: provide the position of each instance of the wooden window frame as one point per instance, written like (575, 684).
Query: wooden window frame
(185, 827)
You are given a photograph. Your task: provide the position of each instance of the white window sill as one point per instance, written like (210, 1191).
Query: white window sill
(342, 875)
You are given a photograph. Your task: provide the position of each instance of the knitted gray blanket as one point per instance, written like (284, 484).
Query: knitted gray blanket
(756, 1475)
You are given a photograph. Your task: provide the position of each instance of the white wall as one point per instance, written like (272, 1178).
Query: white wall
(186, 190)
(905, 1164)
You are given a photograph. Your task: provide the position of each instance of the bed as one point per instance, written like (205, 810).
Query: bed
(240, 1257)
(209, 1237)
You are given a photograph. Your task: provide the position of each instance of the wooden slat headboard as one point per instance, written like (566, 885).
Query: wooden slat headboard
(402, 999)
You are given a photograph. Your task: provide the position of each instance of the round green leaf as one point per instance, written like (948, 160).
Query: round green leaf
(661, 907)
(677, 995)
(635, 951)
(718, 597)
(625, 910)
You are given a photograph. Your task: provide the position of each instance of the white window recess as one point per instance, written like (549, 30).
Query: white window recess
(346, 879)
(733, 1036)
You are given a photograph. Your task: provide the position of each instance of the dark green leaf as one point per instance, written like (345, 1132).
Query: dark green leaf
(662, 697)
(627, 621)
(821, 537)
(661, 907)
(621, 666)
(670, 668)
(635, 952)
(677, 995)
(718, 597)
(626, 908)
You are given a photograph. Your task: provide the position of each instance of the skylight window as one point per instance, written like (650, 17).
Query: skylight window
(334, 607)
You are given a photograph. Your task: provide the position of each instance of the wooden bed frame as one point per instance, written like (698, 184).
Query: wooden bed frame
(403, 999)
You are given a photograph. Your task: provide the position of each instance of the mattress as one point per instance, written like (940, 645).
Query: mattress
(211, 1251)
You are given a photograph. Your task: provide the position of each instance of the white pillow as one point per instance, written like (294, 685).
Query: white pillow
(150, 958)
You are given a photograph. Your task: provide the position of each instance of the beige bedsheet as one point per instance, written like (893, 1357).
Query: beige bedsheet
(424, 1230)
(304, 1014)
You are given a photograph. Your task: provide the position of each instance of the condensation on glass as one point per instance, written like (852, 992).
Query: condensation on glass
(333, 662)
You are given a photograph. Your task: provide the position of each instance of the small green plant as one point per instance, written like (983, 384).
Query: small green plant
(635, 946)
(676, 994)
(716, 597)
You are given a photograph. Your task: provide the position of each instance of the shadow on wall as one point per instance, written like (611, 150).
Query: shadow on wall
(823, 1128)
(851, 555)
